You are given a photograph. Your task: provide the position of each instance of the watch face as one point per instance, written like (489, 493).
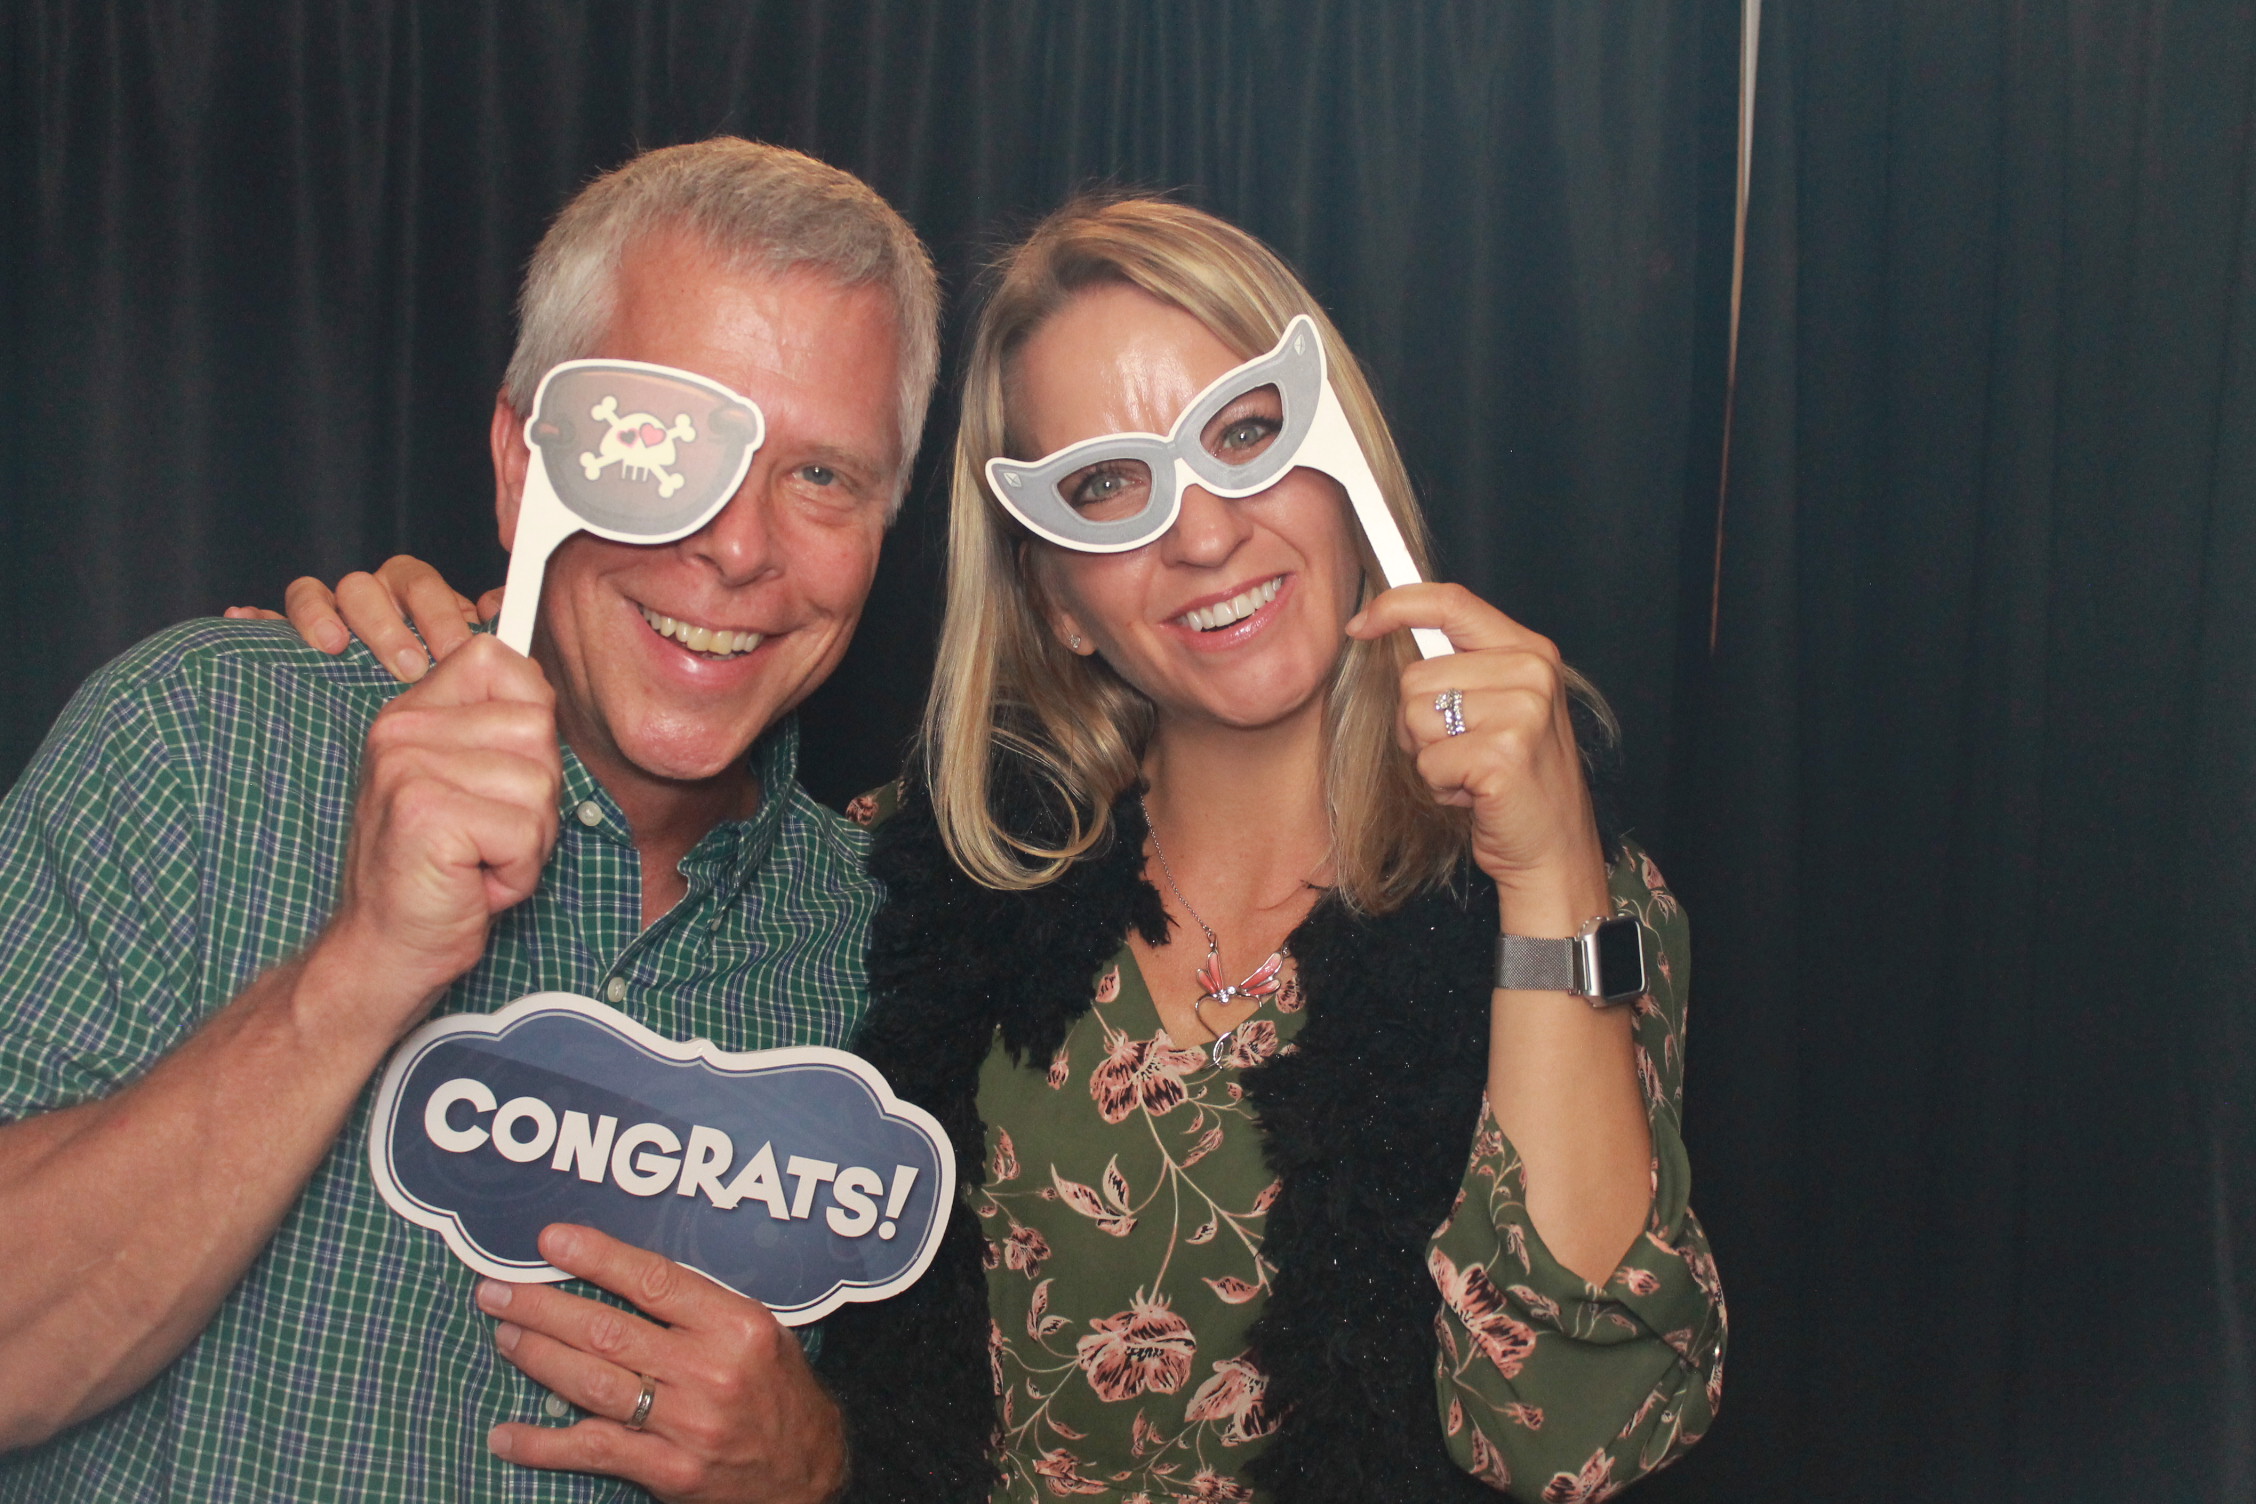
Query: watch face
(1621, 958)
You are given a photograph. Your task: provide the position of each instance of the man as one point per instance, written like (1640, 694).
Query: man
(240, 870)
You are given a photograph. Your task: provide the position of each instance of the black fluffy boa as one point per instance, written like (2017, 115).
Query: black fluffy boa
(1366, 1124)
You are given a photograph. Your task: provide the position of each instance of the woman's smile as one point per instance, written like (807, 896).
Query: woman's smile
(1237, 613)
(1235, 620)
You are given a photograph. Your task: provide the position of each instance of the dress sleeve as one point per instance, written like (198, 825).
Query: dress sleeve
(1550, 1386)
(874, 808)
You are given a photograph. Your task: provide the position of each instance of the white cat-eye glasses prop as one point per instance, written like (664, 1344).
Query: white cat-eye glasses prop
(1240, 436)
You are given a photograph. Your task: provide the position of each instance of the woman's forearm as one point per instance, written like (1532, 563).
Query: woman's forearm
(1562, 1082)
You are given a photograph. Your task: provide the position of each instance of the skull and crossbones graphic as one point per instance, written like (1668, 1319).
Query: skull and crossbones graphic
(638, 446)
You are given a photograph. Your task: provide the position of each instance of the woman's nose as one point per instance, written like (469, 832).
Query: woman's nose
(1207, 530)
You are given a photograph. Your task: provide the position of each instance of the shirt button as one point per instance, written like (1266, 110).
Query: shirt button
(555, 1407)
(615, 990)
(590, 812)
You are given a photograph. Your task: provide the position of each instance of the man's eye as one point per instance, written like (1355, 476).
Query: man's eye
(819, 475)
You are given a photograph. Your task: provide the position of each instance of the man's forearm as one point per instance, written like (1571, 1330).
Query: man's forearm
(124, 1222)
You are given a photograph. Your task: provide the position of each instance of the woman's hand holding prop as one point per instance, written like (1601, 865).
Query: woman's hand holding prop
(1491, 730)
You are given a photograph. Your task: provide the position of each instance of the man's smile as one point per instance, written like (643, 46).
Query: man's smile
(720, 643)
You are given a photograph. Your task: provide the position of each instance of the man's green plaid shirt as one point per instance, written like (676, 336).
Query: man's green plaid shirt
(182, 830)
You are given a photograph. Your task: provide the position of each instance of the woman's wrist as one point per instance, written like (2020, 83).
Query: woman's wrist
(1555, 904)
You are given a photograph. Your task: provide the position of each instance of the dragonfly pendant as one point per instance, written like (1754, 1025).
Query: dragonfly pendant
(1262, 983)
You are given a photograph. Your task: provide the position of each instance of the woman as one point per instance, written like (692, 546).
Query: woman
(1193, 891)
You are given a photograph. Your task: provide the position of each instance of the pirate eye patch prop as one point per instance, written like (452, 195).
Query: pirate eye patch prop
(1239, 436)
(632, 452)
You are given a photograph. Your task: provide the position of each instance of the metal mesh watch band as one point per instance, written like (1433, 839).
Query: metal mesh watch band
(1604, 965)
(1537, 965)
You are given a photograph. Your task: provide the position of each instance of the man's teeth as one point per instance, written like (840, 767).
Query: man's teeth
(1236, 608)
(719, 642)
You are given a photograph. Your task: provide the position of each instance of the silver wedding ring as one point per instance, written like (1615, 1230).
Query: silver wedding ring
(1451, 704)
(642, 1405)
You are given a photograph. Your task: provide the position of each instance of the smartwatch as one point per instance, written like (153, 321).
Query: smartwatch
(1604, 964)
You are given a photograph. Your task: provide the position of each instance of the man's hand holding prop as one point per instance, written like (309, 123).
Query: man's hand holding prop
(456, 816)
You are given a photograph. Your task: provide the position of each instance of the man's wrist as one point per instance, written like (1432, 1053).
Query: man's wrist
(350, 990)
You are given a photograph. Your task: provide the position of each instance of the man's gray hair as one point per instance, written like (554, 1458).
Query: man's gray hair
(763, 208)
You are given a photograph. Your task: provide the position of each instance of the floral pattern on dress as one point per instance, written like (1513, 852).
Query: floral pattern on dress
(1152, 1176)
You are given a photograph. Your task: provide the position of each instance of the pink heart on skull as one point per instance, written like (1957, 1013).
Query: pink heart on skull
(651, 434)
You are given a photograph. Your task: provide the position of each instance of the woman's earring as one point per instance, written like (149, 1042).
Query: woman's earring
(1075, 645)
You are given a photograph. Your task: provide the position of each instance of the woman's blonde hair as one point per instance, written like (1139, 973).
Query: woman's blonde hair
(1004, 689)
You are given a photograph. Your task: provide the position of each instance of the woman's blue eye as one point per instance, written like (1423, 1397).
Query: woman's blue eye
(1106, 483)
(1240, 434)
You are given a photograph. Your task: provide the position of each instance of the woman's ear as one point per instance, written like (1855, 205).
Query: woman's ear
(1062, 623)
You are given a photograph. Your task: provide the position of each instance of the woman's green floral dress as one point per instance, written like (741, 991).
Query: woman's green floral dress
(1124, 1205)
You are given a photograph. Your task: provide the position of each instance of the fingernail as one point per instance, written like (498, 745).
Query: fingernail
(410, 663)
(561, 1244)
(497, 1441)
(1355, 621)
(493, 1295)
(506, 1335)
(331, 638)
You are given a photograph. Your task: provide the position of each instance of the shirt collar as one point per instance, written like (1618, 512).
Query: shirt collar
(728, 854)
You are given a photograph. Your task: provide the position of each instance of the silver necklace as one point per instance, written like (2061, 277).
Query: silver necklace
(1262, 983)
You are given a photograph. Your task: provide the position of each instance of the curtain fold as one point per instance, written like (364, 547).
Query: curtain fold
(1972, 764)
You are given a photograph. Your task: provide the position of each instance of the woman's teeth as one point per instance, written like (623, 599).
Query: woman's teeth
(713, 642)
(1236, 608)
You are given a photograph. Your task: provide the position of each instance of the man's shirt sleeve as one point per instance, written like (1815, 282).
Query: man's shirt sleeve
(100, 924)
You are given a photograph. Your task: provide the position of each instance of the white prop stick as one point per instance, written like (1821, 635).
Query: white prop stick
(633, 452)
(1331, 448)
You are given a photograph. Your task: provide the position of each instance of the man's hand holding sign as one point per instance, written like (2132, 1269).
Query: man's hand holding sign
(742, 1417)
(478, 1137)
(456, 819)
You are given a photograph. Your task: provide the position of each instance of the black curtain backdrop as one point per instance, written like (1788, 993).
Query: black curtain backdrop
(1962, 798)
(1965, 807)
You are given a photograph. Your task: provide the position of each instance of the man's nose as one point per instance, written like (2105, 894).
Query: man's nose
(1207, 530)
(739, 543)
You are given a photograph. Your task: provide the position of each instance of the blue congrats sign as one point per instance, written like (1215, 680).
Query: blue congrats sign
(793, 1176)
